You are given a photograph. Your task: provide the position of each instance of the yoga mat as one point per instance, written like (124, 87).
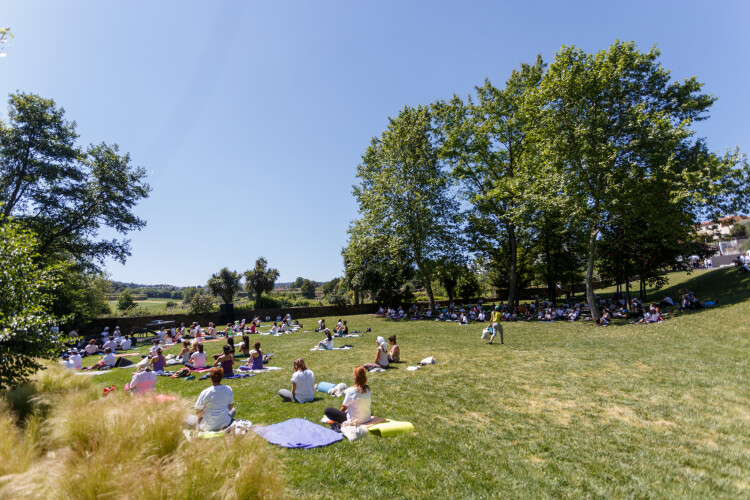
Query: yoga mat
(325, 386)
(201, 370)
(128, 354)
(390, 428)
(298, 433)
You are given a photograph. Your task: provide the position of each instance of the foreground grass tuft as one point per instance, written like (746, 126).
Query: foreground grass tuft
(123, 447)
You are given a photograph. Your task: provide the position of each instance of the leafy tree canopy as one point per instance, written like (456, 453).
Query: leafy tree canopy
(225, 284)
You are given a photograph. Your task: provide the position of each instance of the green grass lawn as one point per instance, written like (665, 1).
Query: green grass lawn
(560, 410)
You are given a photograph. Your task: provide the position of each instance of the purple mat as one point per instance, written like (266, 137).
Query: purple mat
(298, 433)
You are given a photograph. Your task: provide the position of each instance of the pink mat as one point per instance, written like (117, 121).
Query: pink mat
(201, 370)
(128, 354)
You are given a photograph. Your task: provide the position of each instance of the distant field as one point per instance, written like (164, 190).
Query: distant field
(561, 410)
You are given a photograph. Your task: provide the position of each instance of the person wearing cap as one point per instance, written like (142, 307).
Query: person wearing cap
(105, 333)
(76, 359)
(381, 356)
(496, 326)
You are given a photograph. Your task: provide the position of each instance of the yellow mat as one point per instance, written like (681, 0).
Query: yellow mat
(391, 428)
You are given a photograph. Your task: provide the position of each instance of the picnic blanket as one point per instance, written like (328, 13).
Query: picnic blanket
(298, 433)
(390, 428)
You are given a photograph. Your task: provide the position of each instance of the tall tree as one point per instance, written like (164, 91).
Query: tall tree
(377, 264)
(66, 195)
(404, 193)
(224, 284)
(613, 119)
(260, 279)
(25, 301)
(485, 139)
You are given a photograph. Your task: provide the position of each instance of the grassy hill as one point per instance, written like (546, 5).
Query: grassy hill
(563, 409)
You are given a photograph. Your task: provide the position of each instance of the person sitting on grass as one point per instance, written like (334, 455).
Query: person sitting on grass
(394, 354)
(109, 343)
(357, 404)
(381, 356)
(91, 347)
(226, 360)
(274, 329)
(255, 360)
(229, 330)
(321, 325)
(344, 330)
(214, 408)
(230, 343)
(253, 327)
(184, 355)
(303, 384)
(327, 343)
(157, 361)
(244, 347)
(144, 380)
(107, 361)
(197, 359)
(76, 359)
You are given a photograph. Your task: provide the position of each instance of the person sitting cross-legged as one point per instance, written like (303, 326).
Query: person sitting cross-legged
(214, 408)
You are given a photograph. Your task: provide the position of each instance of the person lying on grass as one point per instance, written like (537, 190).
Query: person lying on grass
(215, 406)
(357, 402)
(198, 358)
(303, 384)
(381, 356)
(107, 361)
(144, 380)
(394, 354)
(226, 360)
(327, 343)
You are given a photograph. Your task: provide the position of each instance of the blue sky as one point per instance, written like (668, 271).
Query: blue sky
(251, 117)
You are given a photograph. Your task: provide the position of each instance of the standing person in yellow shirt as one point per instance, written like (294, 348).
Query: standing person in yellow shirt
(496, 326)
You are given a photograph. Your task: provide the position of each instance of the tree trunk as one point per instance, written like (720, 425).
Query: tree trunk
(590, 274)
(427, 284)
(356, 296)
(627, 291)
(513, 278)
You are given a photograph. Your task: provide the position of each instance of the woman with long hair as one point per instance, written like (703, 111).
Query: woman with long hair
(226, 360)
(357, 400)
(303, 384)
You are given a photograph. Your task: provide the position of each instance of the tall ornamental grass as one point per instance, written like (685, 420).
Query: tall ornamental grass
(71, 444)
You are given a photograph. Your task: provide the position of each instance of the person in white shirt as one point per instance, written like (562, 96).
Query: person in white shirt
(154, 347)
(357, 404)
(110, 343)
(215, 406)
(327, 343)
(126, 344)
(303, 384)
(108, 360)
(144, 380)
(198, 359)
(274, 329)
(76, 359)
(92, 348)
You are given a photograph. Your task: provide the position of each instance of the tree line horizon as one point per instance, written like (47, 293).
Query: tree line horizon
(588, 164)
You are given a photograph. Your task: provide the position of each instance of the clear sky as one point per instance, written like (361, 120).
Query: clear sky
(251, 117)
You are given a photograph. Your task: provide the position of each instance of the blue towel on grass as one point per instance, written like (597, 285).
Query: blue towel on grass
(298, 433)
